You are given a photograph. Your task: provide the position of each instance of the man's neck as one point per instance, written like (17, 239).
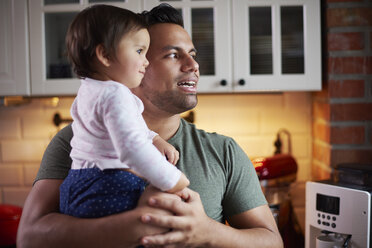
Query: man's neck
(166, 127)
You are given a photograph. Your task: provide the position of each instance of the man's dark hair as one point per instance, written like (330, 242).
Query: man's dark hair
(98, 25)
(163, 13)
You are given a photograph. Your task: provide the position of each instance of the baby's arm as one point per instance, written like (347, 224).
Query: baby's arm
(166, 149)
(172, 155)
(182, 183)
(130, 139)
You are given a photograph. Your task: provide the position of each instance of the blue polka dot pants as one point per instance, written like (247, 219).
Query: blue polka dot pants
(92, 193)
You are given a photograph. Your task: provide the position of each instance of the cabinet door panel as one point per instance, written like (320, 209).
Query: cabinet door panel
(55, 29)
(14, 67)
(49, 20)
(260, 40)
(292, 39)
(203, 38)
(276, 45)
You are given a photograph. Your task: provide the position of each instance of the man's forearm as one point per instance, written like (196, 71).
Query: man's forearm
(223, 236)
(58, 230)
(42, 226)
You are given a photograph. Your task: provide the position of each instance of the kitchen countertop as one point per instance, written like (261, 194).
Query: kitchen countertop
(297, 192)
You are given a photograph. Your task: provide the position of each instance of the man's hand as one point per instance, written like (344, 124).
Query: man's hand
(189, 225)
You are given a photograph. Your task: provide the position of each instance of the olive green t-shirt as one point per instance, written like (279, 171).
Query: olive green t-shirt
(216, 166)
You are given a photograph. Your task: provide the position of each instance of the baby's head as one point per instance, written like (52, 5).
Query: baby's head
(94, 41)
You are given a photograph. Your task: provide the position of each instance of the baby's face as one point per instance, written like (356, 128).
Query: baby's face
(130, 64)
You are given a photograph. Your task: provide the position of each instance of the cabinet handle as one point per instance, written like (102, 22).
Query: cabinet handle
(241, 82)
(223, 82)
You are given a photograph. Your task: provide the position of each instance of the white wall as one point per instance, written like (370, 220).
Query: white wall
(252, 119)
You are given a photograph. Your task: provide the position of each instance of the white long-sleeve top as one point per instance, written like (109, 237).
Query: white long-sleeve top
(110, 133)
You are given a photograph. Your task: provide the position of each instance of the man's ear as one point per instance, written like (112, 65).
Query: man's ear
(102, 55)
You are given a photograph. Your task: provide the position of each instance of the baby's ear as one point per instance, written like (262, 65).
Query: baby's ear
(102, 55)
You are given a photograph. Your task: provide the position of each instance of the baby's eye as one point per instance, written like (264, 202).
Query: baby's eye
(139, 51)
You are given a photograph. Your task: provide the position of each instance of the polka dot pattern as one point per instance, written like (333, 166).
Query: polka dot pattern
(92, 193)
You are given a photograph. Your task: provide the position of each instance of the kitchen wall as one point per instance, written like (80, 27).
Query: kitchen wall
(252, 119)
(342, 127)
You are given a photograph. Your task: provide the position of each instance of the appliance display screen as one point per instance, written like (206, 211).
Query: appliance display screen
(328, 204)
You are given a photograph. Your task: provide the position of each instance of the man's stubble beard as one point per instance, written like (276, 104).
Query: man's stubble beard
(172, 102)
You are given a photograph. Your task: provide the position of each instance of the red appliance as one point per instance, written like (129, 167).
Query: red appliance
(275, 167)
(9, 220)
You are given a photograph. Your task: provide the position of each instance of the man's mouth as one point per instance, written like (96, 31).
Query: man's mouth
(188, 84)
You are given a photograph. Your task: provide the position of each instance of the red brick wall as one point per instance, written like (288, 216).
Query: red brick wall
(342, 111)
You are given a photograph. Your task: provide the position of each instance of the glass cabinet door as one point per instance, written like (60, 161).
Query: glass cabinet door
(292, 39)
(14, 60)
(51, 73)
(271, 49)
(56, 62)
(260, 40)
(208, 23)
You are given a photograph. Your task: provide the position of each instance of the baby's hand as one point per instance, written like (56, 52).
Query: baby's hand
(166, 149)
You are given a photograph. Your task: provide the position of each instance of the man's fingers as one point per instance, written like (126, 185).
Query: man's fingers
(173, 237)
(170, 222)
(174, 205)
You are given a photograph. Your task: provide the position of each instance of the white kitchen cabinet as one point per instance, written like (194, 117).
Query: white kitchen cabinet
(14, 66)
(270, 45)
(276, 45)
(49, 20)
(243, 45)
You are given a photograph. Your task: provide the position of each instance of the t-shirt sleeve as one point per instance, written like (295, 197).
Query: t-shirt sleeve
(243, 191)
(56, 161)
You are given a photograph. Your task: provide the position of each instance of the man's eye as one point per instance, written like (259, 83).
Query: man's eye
(193, 55)
(172, 55)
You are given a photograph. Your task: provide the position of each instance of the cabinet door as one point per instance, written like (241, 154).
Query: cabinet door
(14, 67)
(208, 23)
(51, 73)
(276, 45)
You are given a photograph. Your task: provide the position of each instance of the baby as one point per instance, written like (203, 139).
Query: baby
(113, 150)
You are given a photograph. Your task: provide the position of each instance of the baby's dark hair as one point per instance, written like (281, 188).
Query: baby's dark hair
(95, 25)
(163, 13)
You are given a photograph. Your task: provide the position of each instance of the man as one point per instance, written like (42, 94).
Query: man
(215, 165)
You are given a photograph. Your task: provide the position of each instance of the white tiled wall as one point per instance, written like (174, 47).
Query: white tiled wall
(252, 119)
(25, 131)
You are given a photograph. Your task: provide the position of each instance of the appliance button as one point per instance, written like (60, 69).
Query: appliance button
(328, 217)
(333, 225)
(334, 218)
(325, 223)
(319, 215)
(319, 222)
(323, 216)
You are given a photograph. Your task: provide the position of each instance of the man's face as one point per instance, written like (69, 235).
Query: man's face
(171, 78)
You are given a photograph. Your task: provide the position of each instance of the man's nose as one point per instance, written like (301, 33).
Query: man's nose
(190, 64)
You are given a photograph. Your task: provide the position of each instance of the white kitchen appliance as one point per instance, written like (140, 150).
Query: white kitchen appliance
(337, 215)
